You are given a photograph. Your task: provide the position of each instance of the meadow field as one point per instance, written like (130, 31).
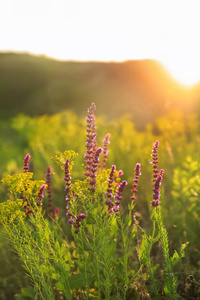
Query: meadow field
(92, 208)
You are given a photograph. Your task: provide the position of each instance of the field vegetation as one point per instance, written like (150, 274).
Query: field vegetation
(120, 214)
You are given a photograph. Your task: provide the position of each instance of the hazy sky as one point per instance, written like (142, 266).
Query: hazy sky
(107, 30)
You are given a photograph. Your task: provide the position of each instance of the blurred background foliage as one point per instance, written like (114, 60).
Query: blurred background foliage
(36, 85)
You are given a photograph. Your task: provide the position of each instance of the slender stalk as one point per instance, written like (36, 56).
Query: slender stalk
(96, 262)
(170, 280)
(125, 257)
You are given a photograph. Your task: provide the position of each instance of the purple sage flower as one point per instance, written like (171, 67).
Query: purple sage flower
(67, 179)
(68, 186)
(110, 181)
(56, 212)
(120, 173)
(108, 194)
(106, 141)
(120, 190)
(26, 169)
(91, 143)
(155, 160)
(93, 169)
(69, 213)
(157, 176)
(93, 128)
(156, 190)
(26, 162)
(67, 176)
(136, 180)
(48, 182)
(77, 222)
(81, 217)
(71, 221)
(115, 209)
(40, 194)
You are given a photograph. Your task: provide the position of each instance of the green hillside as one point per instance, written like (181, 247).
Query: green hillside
(37, 85)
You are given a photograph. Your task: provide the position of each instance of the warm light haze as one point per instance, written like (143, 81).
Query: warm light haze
(167, 31)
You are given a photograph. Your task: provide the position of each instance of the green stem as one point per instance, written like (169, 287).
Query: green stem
(150, 244)
(125, 258)
(96, 262)
(83, 236)
(170, 281)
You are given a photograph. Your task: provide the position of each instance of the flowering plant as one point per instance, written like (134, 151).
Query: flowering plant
(108, 254)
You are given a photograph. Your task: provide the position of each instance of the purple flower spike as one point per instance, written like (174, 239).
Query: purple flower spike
(67, 176)
(120, 172)
(40, 194)
(118, 195)
(157, 176)
(76, 222)
(110, 181)
(71, 221)
(155, 160)
(106, 141)
(115, 209)
(26, 169)
(109, 189)
(136, 180)
(161, 172)
(69, 213)
(81, 217)
(156, 189)
(91, 143)
(68, 186)
(56, 212)
(93, 128)
(48, 182)
(26, 162)
(93, 169)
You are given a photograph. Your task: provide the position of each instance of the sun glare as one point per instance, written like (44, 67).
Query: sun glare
(185, 73)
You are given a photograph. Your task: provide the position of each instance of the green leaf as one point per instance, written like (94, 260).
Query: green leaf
(132, 249)
(154, 216)
(182, 251)
(90, 219)
(78, 281)
(153, 241)
(133, 232)
(111, 247)
(127, 220)
(28, 292)
(87, 246)
(166, 291)
(57, 246)
(154, 269)
(131, 273)
(143, 252)
(175, 258)
(130, 222)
